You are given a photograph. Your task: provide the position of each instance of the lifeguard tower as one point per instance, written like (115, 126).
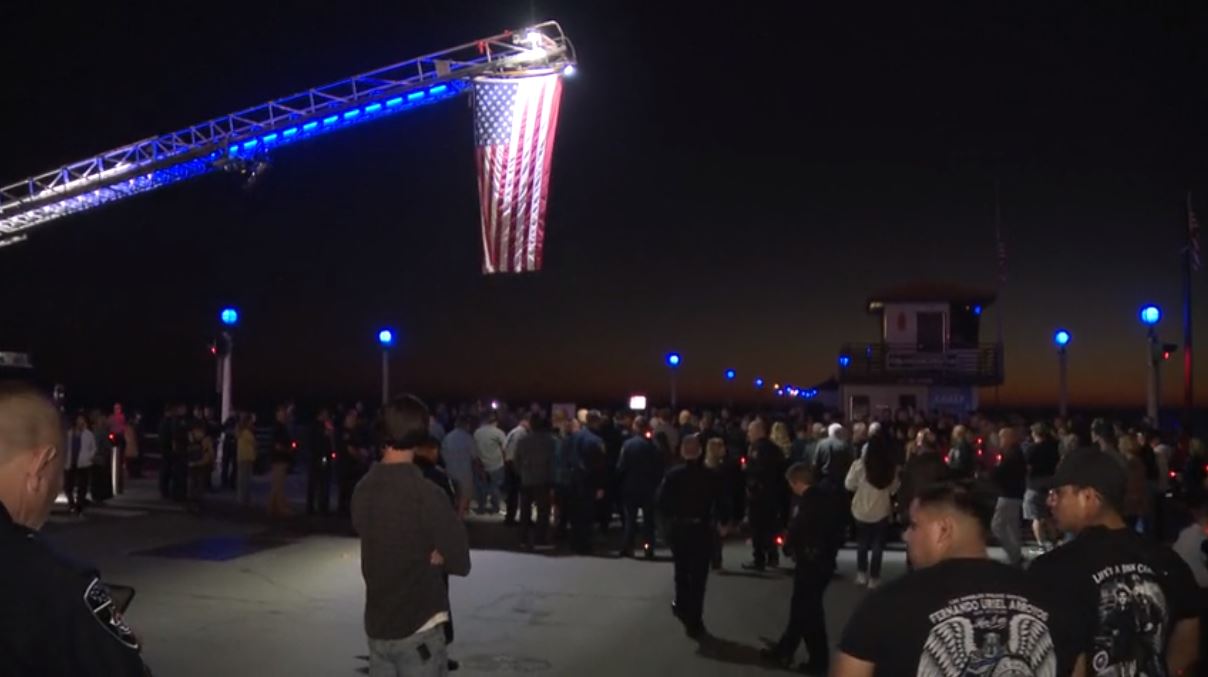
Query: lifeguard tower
(929, 356)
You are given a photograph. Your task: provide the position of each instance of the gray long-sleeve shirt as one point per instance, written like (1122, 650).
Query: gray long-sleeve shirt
(401, 519)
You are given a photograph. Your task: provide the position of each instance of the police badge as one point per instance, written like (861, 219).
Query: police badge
(101, 605)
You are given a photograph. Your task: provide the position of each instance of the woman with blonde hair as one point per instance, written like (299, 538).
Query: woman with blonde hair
(780, 437)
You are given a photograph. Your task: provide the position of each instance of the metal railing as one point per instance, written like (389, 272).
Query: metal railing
(869, 363)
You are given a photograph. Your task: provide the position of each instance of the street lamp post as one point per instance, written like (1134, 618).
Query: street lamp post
(386, 339)
(673, 363)
(1150, 316)
(1062, 339)
(229, 318)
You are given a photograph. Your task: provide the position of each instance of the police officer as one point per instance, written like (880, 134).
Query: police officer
(813, 540)
(766, 496)
(639, 469)
(588, 479)
(59, 618)
(689, 501)
(320, 465)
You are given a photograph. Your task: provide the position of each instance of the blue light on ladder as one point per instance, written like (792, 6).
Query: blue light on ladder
(309, 126)
(373, 108)
(270, 137)
(394, 102)
(415, 96)
(330, 120)
(289, 132)
(234, 149)
(352, 114)
(439, 89)
(250, 144)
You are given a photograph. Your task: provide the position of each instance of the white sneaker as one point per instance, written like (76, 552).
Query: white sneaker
(861, 579)
(873, 582)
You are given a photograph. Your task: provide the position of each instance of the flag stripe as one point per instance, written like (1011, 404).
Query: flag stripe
(515, 121)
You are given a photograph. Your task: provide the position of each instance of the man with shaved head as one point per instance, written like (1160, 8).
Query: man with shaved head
(59, 618)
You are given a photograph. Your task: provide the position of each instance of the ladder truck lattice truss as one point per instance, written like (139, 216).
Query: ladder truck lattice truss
(241, 140)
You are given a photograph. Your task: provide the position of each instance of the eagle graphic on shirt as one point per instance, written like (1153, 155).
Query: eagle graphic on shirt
(989, 635)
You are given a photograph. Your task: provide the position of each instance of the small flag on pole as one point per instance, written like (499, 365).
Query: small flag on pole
(514, 124)
(1193, 236)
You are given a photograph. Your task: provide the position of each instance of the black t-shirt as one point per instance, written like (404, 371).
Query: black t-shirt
(963, 617)
(1127, 593)
(1042, 460)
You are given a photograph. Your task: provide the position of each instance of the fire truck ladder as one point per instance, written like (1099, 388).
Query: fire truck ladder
(241, 141)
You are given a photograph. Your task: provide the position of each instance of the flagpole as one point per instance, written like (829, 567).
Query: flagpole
(1002, 283)
(1188, 253)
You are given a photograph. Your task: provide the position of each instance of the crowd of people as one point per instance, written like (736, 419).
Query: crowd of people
(1127, 502)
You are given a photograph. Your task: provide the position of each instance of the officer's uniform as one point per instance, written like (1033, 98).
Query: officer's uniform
(813, 540)
(319, 472)
(59, 619)
(690, 502)
(766, 500)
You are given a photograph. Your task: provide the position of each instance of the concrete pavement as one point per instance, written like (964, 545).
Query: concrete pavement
(235, 594)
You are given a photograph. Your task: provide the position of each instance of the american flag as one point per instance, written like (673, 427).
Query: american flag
(1193, 235)
(514, 124)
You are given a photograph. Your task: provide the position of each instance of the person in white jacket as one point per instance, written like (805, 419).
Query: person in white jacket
(81, 448)
(873, 478)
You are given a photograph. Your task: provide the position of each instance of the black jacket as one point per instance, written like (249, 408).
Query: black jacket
(1011, 474)
(59, 618)
(691, 492)
(815, 531)
(765, 473)
(639, 468)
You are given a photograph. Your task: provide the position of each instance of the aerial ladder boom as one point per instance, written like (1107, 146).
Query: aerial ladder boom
(241, 140)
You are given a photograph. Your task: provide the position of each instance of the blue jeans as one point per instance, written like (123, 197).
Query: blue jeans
(491, 488)
(420, 655)
(870, 535)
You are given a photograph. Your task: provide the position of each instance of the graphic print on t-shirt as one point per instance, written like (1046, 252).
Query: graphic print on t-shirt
(991, 635)
(1132, 622)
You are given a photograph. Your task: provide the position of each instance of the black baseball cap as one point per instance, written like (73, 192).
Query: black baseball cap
(1093, 469)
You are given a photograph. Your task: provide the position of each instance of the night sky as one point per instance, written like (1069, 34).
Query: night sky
(731, 183)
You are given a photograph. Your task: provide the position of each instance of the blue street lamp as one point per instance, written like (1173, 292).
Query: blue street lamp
(1062, 338)
(1150, 315)
(844, 360)
(386, 340)
(730, 374)
(673, 362)
(229, 316)
(759, 382)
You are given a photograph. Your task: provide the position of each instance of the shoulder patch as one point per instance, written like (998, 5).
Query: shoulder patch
(100, 604)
